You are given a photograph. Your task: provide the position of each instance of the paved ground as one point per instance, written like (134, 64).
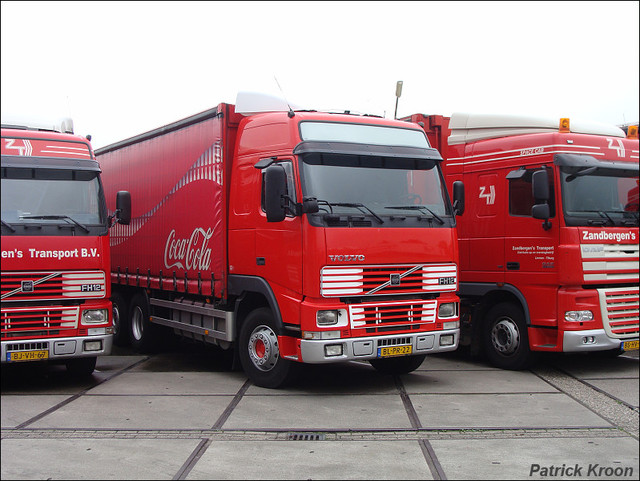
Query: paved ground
(181, 415)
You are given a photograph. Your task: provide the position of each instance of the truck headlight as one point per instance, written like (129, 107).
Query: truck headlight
(95, 316)
(447, 309)
(327, 318)
(578, 316)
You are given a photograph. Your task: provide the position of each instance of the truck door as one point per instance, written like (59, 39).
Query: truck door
(531, 246)
(279, 246)
(483, 227)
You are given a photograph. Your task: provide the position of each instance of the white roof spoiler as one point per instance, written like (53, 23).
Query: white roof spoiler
(467, 128)
(63, 125)
(249, 103)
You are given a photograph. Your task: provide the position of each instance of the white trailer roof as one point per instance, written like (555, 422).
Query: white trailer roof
(467, 128)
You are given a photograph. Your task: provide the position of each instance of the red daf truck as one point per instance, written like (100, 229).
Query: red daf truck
(55, 248)
(293, 236)
(549, 239)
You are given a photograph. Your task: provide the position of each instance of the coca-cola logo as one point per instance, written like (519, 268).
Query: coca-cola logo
(191, 253)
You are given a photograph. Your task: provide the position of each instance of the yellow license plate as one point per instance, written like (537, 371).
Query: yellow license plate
(27, 356)
(630, 345)
(390, 351)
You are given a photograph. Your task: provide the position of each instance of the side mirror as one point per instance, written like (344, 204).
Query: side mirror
(540, 190)
(275, 190)
(310, 205)
(540, 185)
(540, 211)
(458, 197)
(123, 207)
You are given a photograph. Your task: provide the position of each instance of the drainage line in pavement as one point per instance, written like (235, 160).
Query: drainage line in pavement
(232, 405)
(74, 397)
(427, 450)
(188, 465)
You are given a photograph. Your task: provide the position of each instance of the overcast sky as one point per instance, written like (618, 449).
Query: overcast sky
(123, 68)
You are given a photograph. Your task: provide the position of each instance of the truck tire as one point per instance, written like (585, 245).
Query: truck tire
(142, 334)
(259, 354)
(505, 338)
(398, 365)
(81, 366)
(120, 320)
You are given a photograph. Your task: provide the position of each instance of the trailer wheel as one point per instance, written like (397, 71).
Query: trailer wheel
(81, 366)
(142, 334)
(506, 341)
(120, 320)
(259, 353)
(398, 365)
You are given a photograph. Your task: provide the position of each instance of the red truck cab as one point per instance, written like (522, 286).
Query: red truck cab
(55, 248)
(549, 237)
(290, 236)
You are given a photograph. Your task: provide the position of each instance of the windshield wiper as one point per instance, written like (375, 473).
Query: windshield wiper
(603, 214)
(355, 205)
(9, 226)
(421, 208)
(55, 217)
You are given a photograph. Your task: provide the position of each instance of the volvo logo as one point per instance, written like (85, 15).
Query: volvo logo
(347, 258)
(394, 280)
(26, 286)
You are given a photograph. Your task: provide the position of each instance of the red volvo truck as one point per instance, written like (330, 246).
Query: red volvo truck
(292, 236)
(55, 248)
(549, 239)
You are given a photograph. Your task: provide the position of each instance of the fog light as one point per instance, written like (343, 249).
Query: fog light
(447, 309)
(95, 316)
(318, 335)
(446, 340)
(331, 350)
(578, 316)
(93, 346)
(588, 340)
(327, 318)
(451, 325)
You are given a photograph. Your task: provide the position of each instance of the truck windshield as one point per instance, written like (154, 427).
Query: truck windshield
(52, 197)
(600, 196)
(383, 188)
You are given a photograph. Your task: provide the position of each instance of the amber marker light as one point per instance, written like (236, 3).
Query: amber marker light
(564, 125)
(632, 132)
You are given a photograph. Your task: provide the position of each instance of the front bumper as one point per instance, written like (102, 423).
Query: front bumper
(590, 340)
(58, 347)
(363, 348)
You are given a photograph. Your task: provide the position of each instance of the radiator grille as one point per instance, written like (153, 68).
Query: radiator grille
(46, 286)
(609, 262)
(32, 322)
(338, 281)
(392, 317)
(619, 308)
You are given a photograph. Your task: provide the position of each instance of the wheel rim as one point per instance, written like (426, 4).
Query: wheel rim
(137, 323)
(116, 319)
(505, 336)
(263, 348)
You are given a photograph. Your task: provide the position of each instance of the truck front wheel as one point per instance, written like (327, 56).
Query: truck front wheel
(506, 341)
(259, 353)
